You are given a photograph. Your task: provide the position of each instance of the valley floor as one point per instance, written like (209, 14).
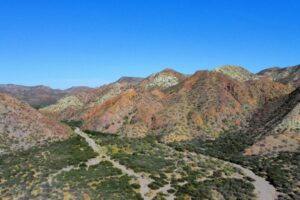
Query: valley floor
(263, 189)
(100, 166)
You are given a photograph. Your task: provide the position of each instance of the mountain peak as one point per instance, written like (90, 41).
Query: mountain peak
(170, 72)
(163, 79)
(271, 69)
(128, 79)
(235, 72)
(287, 75)
(167, 70)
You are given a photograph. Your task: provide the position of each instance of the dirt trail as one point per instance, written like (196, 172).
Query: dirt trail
(90, 162)
(143, 179)
(263, 189)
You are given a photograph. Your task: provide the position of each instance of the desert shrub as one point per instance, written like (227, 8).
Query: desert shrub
(73, 123)
(135, 186)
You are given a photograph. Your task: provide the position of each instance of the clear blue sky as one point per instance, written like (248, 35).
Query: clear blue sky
(62, 43)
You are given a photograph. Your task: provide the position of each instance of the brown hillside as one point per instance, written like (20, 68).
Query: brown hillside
(21, 126)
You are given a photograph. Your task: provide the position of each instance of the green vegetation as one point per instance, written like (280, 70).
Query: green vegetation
(25, 175)
(190, 175)
(101, 181)
(59, 170)
(139, 154)
(229, 188)
(73, 123)
(84, 175)
(37, 107)
(282, 170)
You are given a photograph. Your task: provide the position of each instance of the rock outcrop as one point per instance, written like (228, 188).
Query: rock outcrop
(22, 126)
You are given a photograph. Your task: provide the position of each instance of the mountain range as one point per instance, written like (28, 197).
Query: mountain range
(38, 96)
(170, 104)
(181, 107)
(259, 114)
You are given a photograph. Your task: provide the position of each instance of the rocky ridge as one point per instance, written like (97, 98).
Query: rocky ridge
(286, 75)
(38, 96)
(22, 126)
(172, 105)
(235, 72)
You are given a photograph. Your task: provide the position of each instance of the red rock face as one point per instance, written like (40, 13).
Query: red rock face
(174, 106)
(108, 115)
(22, 126)
(208, 103)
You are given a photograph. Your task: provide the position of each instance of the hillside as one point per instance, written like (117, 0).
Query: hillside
(235, 72)
(127, 79)
(169, 104)
(286, 75)
(269, 144)
(228, 116)
(278, 126)
(38, 96)
(209, 103)
(21, 126)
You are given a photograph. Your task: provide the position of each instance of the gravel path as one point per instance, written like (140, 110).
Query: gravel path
(263, 189)
(143, 179)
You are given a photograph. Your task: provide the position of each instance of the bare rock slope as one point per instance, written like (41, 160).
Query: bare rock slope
(22, 126)
(170, 104)
(286, 75)
(277, 126)
(38, 96)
